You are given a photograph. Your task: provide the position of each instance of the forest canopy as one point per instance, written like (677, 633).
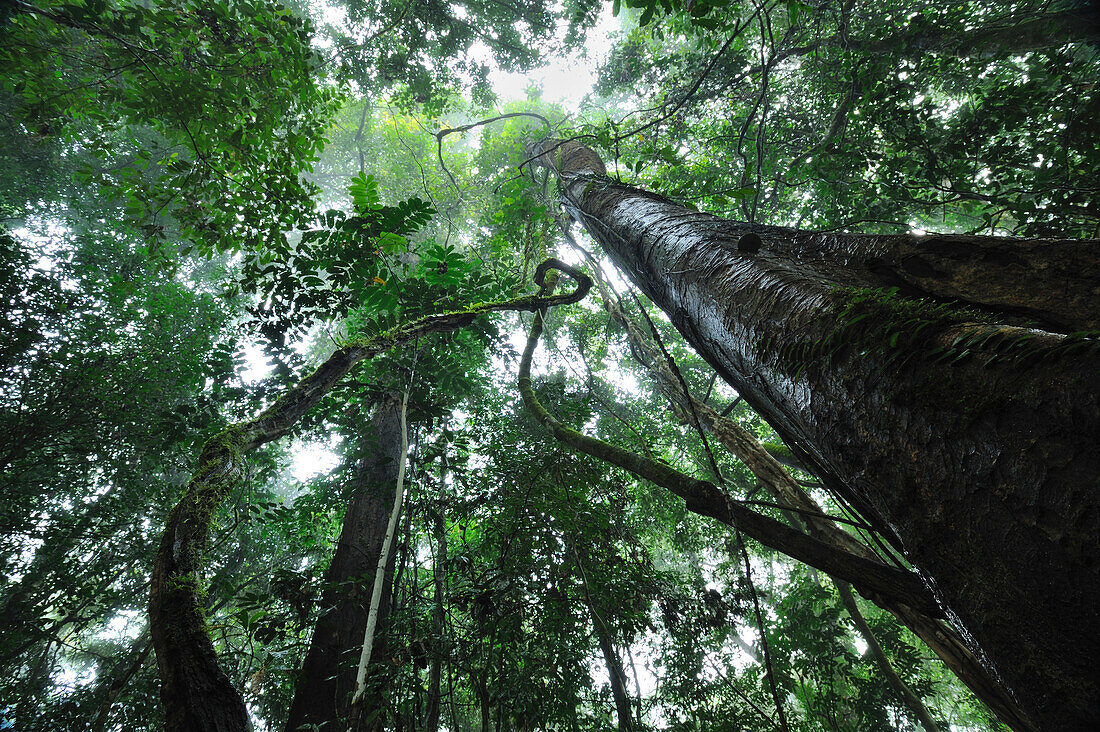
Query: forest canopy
(748, 381)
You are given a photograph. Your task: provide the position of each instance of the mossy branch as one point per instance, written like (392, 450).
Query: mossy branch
(197, 694)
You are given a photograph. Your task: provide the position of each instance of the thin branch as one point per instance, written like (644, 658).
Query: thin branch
(910, 699)
(463, 128)
(683, 100)
(769, 670)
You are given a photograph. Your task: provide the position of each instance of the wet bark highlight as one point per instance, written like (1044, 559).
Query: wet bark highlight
(982, 468)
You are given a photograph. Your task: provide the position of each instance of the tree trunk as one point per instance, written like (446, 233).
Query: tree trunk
(905, 694)
(615, 674)
(971, 441)
(326, 682)
(381, 589)
(197, 694)
(436, 647)
(766, 467)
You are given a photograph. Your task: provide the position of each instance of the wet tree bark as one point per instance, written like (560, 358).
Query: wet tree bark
(322, 699)
(760, 460)
(981, 465)
(615, 673)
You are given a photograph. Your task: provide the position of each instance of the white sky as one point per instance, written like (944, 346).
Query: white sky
(569, 78)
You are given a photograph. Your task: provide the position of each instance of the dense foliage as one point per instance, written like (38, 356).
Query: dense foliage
(189, 188)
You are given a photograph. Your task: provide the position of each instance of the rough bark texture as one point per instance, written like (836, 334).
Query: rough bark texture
(615, 674)
(1051, 283)
(982, 464)
(327, 678)
(873, 578)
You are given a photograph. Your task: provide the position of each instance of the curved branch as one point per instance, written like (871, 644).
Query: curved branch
(463, 128)
(872, 578)
(197, 694)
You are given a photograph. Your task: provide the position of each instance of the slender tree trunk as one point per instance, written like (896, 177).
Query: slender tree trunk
(615, 673)
(896, 683)
(481, 688)
(971, 440)
(119, 678)
(327, 678)
(439, 567)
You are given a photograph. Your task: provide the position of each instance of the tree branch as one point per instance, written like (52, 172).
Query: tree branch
(197, 694)
(872, 578)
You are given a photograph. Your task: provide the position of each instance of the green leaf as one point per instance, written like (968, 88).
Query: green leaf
(363, 190)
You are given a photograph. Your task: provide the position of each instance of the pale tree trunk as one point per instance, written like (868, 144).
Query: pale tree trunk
(967, 438)
(326, 681)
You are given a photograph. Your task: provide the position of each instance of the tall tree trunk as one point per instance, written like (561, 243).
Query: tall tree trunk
(971, 440)
(760, 461)
(382, 587)
(481, 688)
(326, 682)
(764, 464)
(615, 674)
